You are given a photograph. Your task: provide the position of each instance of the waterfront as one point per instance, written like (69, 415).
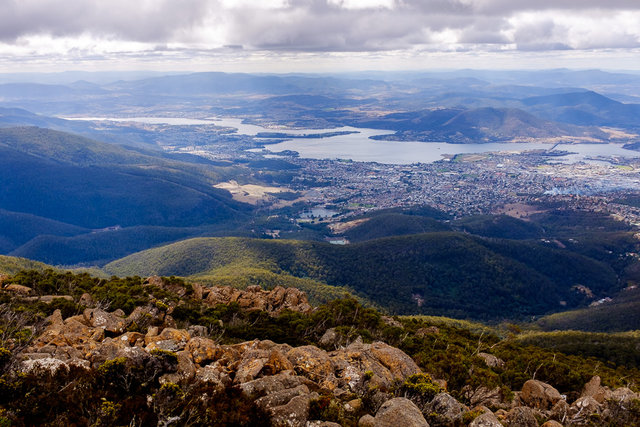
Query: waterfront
(359, 146)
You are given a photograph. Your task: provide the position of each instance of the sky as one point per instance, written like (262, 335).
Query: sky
(317, 35)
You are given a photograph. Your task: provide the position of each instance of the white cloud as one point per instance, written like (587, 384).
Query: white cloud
(69, 29)
(363, 4)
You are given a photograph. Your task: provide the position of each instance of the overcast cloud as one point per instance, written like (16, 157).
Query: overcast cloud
(84, 30)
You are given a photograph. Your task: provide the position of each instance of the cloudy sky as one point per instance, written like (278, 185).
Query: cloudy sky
(317, 35)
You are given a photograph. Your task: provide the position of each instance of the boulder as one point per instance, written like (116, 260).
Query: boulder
(76, 333)
(170, 339)
(292, 299)
(367, 421)
(293, 414)
(431, 330)
(252, 299)
(98, 318)
(399, 412)
(265, 385)
(539, 395)
(552, 423)
(87, 300)
(214, 374)
(198, 291)
(47, 364)
(583, 408)
(222, 295)
(595, 390)
(281, 397)
(623, 395)
(483, 396)
(55, 321)
(487, 419)
(445, 410)
(185, 372)
(198, 331)
(251, 365)
(140, 316)
(19, 289)
(397, 361)
(277, 362)
(390, 321)
(560, 411)
(354, 405)
(154, 281)
(521, 416)
(491, 361)
(48, 299)
(203, 350)
(377, 364)
(311, 362)
(330, 340)
(255, 298)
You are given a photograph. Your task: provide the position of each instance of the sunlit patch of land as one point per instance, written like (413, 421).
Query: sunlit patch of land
(519, 210)
(341, 227)
(249, 193)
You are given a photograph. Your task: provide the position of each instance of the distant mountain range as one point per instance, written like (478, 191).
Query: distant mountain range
(477, 125)
(585, 108)
(461, 107)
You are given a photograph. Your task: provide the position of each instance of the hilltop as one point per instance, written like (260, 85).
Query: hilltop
(476, 125)
(168, 351)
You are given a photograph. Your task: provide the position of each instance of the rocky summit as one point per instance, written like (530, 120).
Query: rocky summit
(108, 367)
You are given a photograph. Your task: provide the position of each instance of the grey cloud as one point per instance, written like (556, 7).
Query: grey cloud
(143, 20)
(303, 25)
(315, 25)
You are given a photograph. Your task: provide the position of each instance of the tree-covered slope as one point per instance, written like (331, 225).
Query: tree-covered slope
(54, 183)
(12, 265)
(18, 228)
(622, 313)
(444, 272)
(393, 224)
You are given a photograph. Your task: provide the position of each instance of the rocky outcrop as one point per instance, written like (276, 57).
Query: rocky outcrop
(384, 365)
(256, 298)
(289, 384)
(283, 380)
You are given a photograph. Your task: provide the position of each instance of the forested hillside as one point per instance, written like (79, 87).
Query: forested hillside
(80, 187)
(443, 272)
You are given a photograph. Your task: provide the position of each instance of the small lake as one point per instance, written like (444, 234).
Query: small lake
(318, 212)
(360, 147)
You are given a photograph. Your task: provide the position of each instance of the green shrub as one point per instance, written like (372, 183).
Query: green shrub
(420, 386)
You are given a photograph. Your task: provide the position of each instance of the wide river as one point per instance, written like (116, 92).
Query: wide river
(360, 147)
